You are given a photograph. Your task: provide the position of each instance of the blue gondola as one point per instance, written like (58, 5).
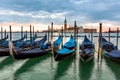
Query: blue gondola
(66, 51)
(36, 51)
(110, 50)
(5, 43)
(4, 48)
(87, 50)
(56, 45)
(27, 43)
(3, 39)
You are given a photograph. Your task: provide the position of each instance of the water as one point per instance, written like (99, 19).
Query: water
(45, 68)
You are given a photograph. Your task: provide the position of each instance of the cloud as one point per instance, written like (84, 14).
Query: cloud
(77, 2)
(38, 16)
(46, 11)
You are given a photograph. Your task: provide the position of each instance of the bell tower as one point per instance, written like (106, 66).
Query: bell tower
(65, 24)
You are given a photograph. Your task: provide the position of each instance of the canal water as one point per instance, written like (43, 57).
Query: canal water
(46, 68)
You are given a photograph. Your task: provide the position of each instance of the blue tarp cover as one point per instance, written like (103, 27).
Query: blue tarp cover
(70, 43)
(58, 41)
(65, 51)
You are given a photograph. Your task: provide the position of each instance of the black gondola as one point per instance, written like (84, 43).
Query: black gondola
(4, 48)
(110, 51)
(35, 51)
(87, 50)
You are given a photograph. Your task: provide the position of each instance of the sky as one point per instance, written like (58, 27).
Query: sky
(40, 13)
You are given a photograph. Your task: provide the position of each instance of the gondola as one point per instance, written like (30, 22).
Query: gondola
(4, 48)
(3, 40)
(27, 43)
(110, 50)
(87, 50)
(66, 51)
(35, 51)
(17, 42)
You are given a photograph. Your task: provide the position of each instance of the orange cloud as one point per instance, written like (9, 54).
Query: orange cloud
(40, 27)
(26, 26)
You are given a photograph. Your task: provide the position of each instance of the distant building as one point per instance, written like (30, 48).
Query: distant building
(65, 24)
(86, 30)
(71, 29)
(113, 31)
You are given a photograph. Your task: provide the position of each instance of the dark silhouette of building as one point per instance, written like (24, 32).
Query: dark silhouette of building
(65, 24)
(86, 30)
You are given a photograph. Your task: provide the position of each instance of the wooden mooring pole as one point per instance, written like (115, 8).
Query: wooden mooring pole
(33, 32)
(10, 43)
(26, 35)
(10, 33)
(48, 32)
(75, 35)
(62, 37)
(109, 34)
(21, 32)
(91, 35)
(52, 44)
(30, 36)
(51, 31)
(99, 40)
(1, 32)
(117, 37)
(75, 30)
(5, 33)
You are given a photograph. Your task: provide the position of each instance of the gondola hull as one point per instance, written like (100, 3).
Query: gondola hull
(86, 58)
(110, 51)
(30, 53)
(4, 52)
(63, 55)
(36, 51)
(111, 57)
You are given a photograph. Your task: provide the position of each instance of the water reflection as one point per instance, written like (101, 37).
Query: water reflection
(7, 61)
(52, 60)
(114, 68)
(85, 69)
(27, 66)
(62, 67)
